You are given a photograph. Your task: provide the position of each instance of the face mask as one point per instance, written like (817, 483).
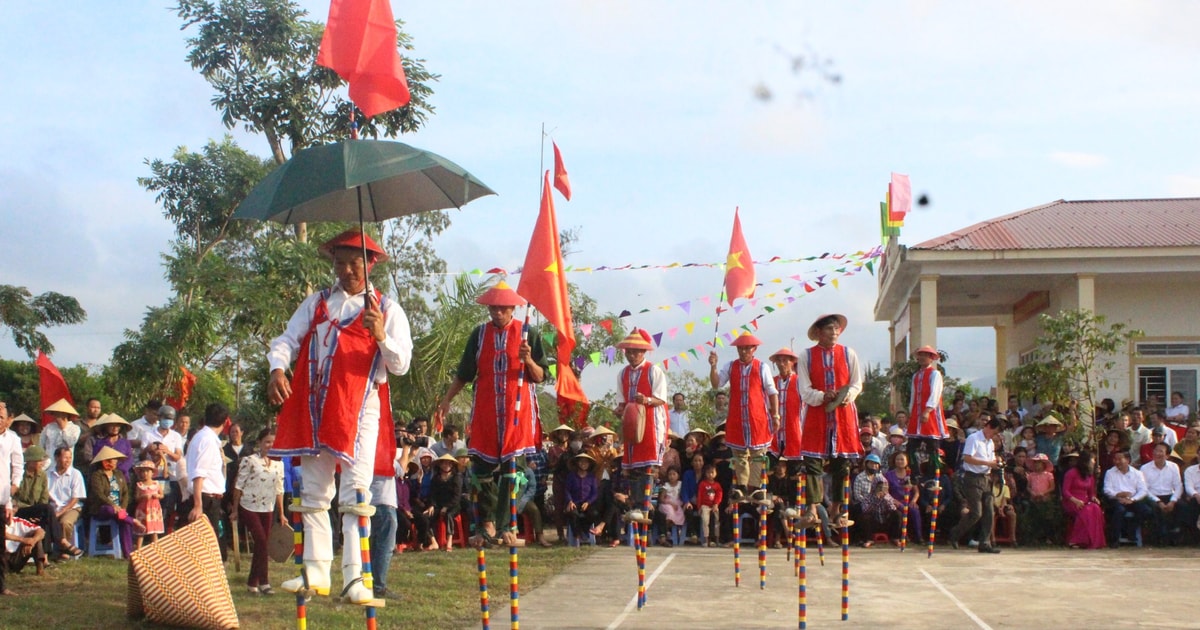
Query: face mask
(575, 446)
(165, 424)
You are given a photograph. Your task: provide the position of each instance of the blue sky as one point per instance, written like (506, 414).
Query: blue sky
(990, 107)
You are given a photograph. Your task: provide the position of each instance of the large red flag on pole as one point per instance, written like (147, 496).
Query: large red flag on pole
(545, 286)
(51, 385)
(739, 266)
(360, 45)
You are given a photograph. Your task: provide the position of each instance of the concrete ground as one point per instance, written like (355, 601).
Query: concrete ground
(693, 587)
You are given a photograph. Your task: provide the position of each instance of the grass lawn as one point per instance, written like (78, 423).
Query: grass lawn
(438, 590)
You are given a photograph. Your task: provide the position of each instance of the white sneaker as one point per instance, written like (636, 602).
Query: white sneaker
(972, 543)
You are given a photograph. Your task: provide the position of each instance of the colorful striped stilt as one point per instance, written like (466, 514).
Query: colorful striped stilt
(937, 493)
(802, 557)
(762, 529)
(298, 553)
(821, 540)
(514, 591)
(795, 523)
(481, 562)
(846, 551)
(904, 515)
(364, 545)
(737, 545)
(639, 546)
(647, 489)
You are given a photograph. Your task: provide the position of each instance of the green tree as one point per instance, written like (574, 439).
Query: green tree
(1077, 350)
(876, 395)
(24, 315)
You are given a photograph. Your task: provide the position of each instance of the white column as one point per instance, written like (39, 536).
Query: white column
(1085, 284)
(928, 313)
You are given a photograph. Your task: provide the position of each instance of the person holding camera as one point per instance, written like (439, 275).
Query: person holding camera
(978, 460)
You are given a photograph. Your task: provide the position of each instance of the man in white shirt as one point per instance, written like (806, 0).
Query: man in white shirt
(146, 424)
(978, 460)
(1139, 434)
(1189, 505)
(67, 491)
(173, 449)
(206, 471)
(12, 466)
(681, 423)
(1164, 488)
(1178, 412)
(1125, 488)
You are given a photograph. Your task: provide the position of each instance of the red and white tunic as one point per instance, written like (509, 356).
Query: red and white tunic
(648, 380)
(748, 424)
(788, 437)
(499, 430)
(338, 367)
(926, 395)
(829, 433)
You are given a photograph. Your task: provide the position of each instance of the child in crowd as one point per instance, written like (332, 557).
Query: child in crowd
(1028, 441)
(149, 507)
(691, 483)
(708, 500)
(1043, 503)
(1002, 483)
(445, 491)
(670, 505)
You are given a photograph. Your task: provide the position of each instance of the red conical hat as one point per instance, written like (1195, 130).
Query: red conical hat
(785, 352)
(746, 340)
(501, 295)
(930, 350)
(637, 339)
(353, 239)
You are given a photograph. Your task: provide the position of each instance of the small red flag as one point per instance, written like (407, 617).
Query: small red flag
(360, 45)
(183, 389)
(545, 286)
(739, 267)
(561, 181)
(899, 198)
(51, 385)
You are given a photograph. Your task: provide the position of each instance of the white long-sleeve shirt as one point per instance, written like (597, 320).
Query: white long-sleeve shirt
(1116, 482)
(1162, 481)
(816, 397)
(1191, 480)
(13, 455)
(396, 348)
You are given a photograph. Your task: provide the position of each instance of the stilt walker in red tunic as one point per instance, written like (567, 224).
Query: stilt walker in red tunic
(643, 390)
(830, 380)
(926, 424)
(787, 383)
(500, 358)
(753, 414)
(340, 344)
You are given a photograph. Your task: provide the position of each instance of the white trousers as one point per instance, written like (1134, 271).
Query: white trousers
(317, 491)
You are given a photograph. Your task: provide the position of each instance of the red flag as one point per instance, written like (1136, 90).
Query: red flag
(51, 385)
(899, 198)
(544, 285)
(183, 389)
(739, 267)
(360, 45)
(561, 181)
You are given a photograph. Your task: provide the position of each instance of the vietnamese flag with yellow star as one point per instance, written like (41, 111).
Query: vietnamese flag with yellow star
(545, 286)
(739, 266)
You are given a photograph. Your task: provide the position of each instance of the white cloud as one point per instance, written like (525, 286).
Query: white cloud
(1076, 159)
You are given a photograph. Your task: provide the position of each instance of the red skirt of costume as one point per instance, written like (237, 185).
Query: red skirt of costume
(748, 425)
(647, 451)
(829, 433)
(499, 429)
(922, 390)
(328, 398)
(788, 437)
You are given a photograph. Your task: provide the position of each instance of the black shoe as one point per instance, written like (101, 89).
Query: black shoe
(988, 549)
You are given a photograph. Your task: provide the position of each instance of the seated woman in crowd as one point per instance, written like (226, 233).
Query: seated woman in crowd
(110, 430)
(1188, 448)
(875, 509)
(1085, 523)
(1115, 440)
(582, 509)
(445, 492)
(905, 490)
(109, 497)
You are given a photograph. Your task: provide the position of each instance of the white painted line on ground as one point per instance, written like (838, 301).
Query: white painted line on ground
(961, 606)
(633, 600)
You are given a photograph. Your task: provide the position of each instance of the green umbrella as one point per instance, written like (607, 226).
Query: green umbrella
(363, 180)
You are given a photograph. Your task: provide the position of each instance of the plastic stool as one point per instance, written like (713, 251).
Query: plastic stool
(97, 548)
(460, 535)
(574, 541)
